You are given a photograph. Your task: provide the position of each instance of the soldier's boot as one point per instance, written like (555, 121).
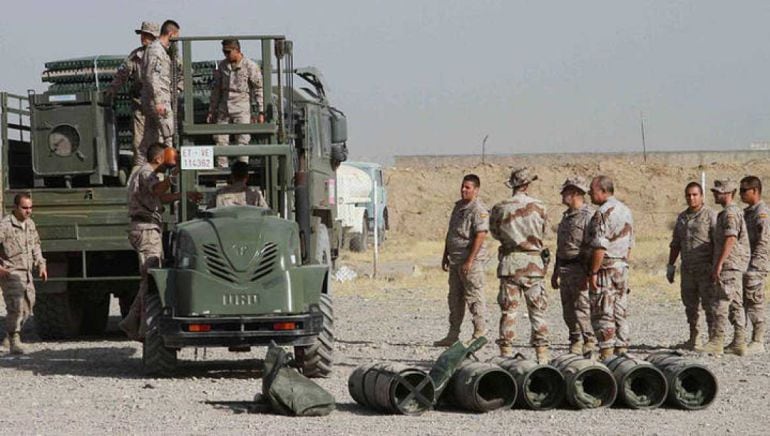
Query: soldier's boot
(129, 325)
(506, 351)
(589, 346)
(715, 345)
(6, 341)
(542, 354)
(738, 345)
(576, 347)
(15, 345)
(693, 343)
(606, 353)
(451, 337)
(757, 344)
(479, 330)
(619, 351)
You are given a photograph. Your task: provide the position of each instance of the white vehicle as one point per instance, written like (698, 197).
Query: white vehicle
(355, 203)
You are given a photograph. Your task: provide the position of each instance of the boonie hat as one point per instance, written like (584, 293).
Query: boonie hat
(149, 28)
(578, 182)
(724, 186)
(520, 177)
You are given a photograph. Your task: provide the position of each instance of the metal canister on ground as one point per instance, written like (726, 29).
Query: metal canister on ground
(640, 384)
(691, 385)
(539, 386)
(589, 384)
(392, 388)
(480, 387)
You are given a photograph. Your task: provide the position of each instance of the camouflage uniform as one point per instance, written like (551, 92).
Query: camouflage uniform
(519, 224)
(156, 90)
(467, 220)
(231, 97)
(238, 194)
(571, 257)
(757, 219)
(727, 301)
(144, 211)
(693, 237)
(611, 229)
(131, 71)
(20, 254)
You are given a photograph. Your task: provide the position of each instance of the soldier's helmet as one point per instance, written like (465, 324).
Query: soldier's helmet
(578, 182)
(149, 28)
(725, 186)
(520, 177)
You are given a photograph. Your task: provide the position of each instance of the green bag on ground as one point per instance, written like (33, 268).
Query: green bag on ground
(289, 392)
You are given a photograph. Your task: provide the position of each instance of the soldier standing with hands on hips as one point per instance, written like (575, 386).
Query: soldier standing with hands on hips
(757, 217)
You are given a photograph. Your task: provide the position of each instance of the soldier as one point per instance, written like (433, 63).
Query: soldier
(569, 272)
(519, 224)
(19, 254)
(612, 236)
(464, 257)
(236, 94)
(757, 216)
(730, 261)
(156, 91)
(693, 238)
(237, 192)
(131, 71)
(146, 195)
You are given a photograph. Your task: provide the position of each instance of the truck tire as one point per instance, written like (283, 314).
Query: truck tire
(96, 314)
(317, 359)
(157, 359)
(58, 315)
(359, 242)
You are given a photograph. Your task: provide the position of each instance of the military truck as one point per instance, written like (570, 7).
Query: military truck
(81, 215)
(356, 183)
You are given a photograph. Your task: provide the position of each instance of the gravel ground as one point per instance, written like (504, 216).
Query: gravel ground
(97, 385)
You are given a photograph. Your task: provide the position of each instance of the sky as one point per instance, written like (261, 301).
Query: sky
(435, 77)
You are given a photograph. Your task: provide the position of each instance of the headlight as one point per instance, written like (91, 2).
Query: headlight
(184, 251)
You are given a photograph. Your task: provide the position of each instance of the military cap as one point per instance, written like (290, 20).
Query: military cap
(576, 182)
(149, 28)
(230, 44)
(724, 186)
(520, 177)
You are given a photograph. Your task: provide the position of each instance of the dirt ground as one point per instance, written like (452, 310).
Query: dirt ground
(96, 385)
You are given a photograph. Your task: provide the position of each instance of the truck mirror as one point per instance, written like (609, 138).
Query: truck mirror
(339, 127)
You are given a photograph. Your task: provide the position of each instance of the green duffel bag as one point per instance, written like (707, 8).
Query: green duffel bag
(289, 392)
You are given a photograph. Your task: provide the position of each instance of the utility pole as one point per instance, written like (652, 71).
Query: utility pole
(484, 149)
(644, 144)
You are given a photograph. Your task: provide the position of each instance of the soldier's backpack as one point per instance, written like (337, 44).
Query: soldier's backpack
(289, 392)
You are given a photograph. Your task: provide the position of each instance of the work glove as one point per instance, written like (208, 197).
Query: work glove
(670, 271)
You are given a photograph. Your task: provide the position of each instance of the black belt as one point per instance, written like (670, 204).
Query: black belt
(144, 219)
(573, 261)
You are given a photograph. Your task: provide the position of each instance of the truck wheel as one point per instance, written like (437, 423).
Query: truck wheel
(96, 314)
(58, 316)
(157, 359)
(360, 241)
(317, 359)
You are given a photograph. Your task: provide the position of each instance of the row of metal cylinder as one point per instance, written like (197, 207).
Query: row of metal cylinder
(580, 381)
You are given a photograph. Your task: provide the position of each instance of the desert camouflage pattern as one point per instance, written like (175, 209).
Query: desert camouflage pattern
(466, 221)
(571, 257)
(611, 229)
(156, 91)
(466, 290)
(20, 254)
(231, 97)
(575, 302)
(697, 290)
(131, 70)
(727, 304)
(519, 223)
(144, 207)
(730, 223)
(238, 194)
(693, 236)
(757, 219)
(512, 292)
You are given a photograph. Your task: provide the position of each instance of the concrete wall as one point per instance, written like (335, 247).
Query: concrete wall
(683, 158)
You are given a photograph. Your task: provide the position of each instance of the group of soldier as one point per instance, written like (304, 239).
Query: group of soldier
(236, 97)
(724, 264)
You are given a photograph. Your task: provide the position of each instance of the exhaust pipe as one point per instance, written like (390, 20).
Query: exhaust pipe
(540, 387)
(691, 385)
(640, 384)
(392, 388)
(589, 384)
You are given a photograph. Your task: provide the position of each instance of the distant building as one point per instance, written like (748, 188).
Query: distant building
(760, 145)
